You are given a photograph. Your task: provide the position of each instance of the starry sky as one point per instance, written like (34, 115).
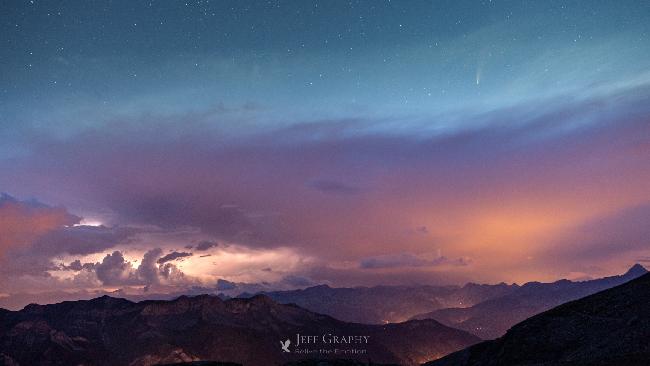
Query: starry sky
(150, 148)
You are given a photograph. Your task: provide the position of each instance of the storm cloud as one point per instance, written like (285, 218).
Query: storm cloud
(531, 167)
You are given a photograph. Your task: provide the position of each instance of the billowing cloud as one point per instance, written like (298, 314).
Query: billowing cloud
(32, 234)
(114, 270)
(73, 266)
(174, 275)
(148, 271)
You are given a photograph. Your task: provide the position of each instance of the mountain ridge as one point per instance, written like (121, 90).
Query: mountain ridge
(608, 328)
(115, 331)
(492, 318)
(385, 304)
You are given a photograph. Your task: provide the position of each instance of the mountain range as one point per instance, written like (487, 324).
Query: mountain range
(612, 325)
(113, 331)
(386, 304)
(609, 328)
(493, 317)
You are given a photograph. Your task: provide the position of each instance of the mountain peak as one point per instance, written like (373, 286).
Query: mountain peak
(596, 329)
(636, 271)
(107, 299)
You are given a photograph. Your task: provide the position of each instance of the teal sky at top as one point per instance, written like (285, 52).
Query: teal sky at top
(69, 65)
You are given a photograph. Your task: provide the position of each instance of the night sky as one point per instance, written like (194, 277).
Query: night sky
(155, 147)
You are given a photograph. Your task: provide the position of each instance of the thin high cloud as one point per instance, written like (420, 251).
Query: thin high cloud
(409, 260)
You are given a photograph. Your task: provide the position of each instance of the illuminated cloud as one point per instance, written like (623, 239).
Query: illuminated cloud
(23, 222)
(114, 270)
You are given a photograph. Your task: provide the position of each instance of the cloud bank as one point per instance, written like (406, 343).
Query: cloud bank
(316, 202)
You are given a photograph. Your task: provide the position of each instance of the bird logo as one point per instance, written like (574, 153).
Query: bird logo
(285, 345)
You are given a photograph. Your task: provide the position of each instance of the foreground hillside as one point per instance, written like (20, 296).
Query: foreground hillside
(610, 328)
(111, 331)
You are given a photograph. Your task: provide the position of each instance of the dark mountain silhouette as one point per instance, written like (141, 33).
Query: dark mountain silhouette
(201, 363)
(386, 304)
(341, 362)
(609, 328)
(492, 318)
(309, 362)
(112, 331)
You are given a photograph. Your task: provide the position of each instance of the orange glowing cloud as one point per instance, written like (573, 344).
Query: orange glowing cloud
(21, 223)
